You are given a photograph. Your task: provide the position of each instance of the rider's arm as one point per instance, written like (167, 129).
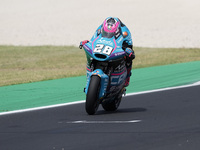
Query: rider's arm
(127, 38)
(128, 44)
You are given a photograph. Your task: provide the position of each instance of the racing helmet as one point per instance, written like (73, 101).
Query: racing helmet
(110, 26)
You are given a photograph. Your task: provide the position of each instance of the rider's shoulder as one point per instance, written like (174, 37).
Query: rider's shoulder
(125, 31)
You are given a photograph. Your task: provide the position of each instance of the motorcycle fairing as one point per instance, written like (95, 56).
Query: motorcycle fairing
(104, 81)
(105, 50)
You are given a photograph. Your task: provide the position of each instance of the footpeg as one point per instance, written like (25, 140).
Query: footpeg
(124, 92)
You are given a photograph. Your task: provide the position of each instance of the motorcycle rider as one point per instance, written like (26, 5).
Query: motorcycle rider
(113, 26)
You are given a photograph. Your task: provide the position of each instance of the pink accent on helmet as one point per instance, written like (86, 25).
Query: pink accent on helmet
(113, 29)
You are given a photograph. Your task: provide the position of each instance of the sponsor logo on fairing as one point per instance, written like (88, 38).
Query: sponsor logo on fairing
(105, 42)
(118, 54)
(87, 48)
(117, 79)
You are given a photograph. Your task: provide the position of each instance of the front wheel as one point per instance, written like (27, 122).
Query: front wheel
(92, 102)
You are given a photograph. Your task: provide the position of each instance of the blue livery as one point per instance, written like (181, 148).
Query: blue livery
(106, 66)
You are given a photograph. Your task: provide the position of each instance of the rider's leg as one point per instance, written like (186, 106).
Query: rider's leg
(129, 67)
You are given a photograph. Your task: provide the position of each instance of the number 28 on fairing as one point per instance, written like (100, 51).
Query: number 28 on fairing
(101, 48)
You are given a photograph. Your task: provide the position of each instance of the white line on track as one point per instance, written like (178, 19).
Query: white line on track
(99, 122)
(82, 101)
(40, 108)
(165, 89)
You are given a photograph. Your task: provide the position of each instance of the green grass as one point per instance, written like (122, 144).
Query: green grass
(24, 64)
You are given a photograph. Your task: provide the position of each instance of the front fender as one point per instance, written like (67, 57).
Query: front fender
(104, 81)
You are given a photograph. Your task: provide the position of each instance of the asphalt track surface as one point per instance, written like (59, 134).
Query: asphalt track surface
(169, 120)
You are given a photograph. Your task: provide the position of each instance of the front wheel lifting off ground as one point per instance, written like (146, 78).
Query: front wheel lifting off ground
(92, 102)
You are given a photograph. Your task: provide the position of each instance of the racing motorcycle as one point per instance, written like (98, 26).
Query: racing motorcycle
(106, 74)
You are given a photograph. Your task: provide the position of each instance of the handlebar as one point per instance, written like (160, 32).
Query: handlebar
(80, 46)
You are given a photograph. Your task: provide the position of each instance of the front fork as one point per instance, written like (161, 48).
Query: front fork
(104, 81)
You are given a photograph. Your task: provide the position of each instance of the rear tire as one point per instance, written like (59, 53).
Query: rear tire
(111, 106)
(92, 102)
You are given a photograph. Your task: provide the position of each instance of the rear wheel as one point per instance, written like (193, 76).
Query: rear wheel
(111, 106)
(92, 102)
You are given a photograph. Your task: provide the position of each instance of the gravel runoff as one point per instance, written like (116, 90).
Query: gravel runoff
(153, 23)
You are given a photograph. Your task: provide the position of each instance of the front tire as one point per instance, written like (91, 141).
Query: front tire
(92, 102)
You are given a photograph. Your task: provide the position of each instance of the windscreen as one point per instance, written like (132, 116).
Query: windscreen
(107, 34)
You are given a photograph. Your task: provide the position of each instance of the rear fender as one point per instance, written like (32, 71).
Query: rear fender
(104, 81)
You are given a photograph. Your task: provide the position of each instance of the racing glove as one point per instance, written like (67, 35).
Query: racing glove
(83, 43)
(130, 53)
